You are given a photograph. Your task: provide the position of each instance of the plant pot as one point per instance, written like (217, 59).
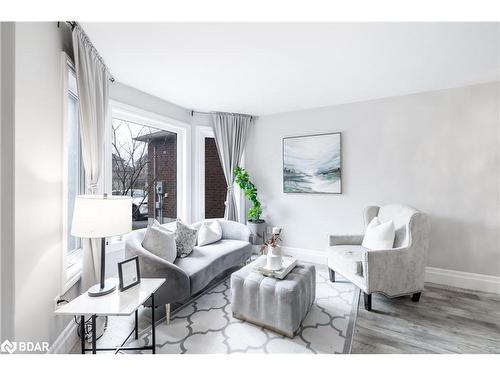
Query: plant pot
(258, 230)
(274, 260)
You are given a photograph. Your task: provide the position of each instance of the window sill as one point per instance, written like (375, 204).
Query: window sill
(74, 269)
(71, 281)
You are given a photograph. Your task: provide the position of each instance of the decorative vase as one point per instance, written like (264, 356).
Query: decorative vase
(274, 258)
(258, 229)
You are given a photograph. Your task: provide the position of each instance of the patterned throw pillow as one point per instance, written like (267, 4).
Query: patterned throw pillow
(185, 239)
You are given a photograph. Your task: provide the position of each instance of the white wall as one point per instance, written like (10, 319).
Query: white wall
(0, 184)
(437, 151)
(38, 179)
(7, 177)
(131, 96)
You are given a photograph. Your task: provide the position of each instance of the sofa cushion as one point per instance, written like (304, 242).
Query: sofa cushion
(209, 232)
(185, 239)
(401, 216)
(347, 259)
(207, 262)
(379, 235)
(160, 242)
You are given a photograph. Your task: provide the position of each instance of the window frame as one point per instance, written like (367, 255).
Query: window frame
(183, 130)
(71, 262)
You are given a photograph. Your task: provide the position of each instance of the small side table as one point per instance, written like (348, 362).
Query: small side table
(115, 304)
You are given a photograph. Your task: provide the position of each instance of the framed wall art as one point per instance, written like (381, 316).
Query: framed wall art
(312, 164)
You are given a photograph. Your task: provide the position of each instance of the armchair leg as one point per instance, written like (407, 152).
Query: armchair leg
(368, 301)
(416, 296)
(332, 275)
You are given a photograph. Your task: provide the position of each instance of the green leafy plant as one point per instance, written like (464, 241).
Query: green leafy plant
(242, 178)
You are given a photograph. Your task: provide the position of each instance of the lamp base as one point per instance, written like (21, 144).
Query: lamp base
(96, 291)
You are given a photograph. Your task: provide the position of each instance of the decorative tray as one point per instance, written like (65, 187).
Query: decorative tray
(289, 264)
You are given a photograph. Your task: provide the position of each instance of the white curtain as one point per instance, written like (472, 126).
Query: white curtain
(93, 97)
(230, 131)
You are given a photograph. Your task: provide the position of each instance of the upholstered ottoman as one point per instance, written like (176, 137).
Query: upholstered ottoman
(279, 305)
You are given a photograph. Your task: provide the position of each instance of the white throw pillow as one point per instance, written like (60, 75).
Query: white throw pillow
(210, 232)
(379, 236)
(160, 242)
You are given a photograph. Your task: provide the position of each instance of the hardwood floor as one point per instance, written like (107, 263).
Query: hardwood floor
(444, 321)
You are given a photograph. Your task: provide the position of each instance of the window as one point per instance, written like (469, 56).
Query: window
(144, 167)
(142, 149)
(75, 173)
(73, 177)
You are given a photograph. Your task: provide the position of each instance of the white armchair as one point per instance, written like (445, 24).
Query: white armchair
(392, 272)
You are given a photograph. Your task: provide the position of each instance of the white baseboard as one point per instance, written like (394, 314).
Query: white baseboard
(66, 340)
(305, 255)
(464, 280)
(456, 279)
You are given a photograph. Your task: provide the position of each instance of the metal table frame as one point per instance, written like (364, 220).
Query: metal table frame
(116, 349)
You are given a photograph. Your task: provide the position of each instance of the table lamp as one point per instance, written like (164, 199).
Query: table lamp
(101, 216)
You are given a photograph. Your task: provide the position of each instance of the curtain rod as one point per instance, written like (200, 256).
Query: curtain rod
(215, 112)
(72, 25)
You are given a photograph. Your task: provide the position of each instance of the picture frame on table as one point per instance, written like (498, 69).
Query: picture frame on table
(129, 273)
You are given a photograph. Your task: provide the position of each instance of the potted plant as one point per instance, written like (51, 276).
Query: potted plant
(256, 225)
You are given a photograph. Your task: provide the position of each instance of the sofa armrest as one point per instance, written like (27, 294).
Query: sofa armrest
(393, 271)
(345, 239)
(177, 285)
(386, 253)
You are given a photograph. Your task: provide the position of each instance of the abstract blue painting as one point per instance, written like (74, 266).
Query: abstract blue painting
(312, 164)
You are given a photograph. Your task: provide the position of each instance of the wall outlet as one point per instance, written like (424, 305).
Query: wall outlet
(54, 302)
(58, 301)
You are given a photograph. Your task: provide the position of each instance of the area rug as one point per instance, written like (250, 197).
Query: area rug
(206, 325)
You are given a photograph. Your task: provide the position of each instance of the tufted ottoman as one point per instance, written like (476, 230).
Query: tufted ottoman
(279, 305)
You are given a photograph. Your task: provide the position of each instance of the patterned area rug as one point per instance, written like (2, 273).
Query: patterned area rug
(206, 325)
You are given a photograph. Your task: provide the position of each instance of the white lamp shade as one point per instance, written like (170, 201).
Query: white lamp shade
(97, 216)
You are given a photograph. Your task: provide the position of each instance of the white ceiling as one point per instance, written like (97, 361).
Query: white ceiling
(268, 68)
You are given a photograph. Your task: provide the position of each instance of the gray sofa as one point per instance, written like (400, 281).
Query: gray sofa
(188, 276)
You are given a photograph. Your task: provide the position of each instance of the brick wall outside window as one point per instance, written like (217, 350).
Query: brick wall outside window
(164, 149)
(215, 182)
(166, 170)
